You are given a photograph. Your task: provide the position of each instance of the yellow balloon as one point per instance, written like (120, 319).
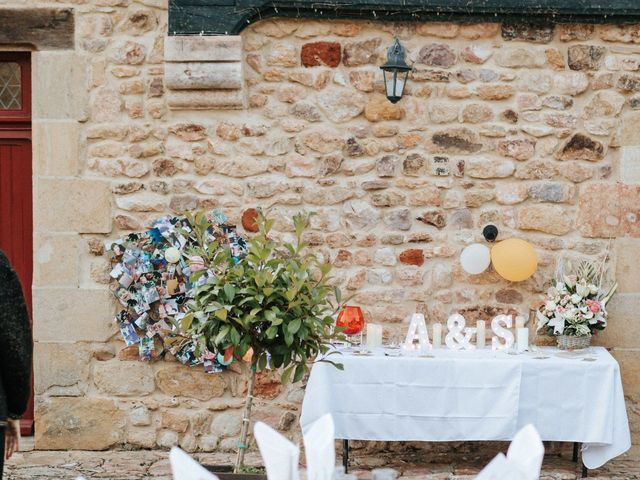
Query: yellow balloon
(514, 259)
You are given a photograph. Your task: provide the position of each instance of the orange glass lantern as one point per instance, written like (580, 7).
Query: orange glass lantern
(351, 319)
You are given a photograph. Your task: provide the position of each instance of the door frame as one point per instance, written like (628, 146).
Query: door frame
(16, 125)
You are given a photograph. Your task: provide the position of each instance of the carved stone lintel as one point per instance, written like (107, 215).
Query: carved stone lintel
(204, 72)
(41, 28)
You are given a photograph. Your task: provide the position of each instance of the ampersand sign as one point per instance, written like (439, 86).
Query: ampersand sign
(459, 337)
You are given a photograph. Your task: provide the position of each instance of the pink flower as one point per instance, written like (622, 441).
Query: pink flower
(207, 355)
(593, 305)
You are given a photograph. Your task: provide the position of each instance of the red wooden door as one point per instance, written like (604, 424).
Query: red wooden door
(16, 206)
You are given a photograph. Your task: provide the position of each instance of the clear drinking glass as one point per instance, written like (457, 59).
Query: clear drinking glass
(339, 474)
(384, 474)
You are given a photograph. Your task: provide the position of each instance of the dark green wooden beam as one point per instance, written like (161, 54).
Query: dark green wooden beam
(229, 17)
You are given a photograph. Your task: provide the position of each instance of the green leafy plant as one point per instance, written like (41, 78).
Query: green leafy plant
(277, 301)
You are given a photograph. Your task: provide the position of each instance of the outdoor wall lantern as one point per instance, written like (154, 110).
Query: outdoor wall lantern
(395, 72)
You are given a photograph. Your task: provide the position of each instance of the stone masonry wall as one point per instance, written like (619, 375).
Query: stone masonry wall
(533, 129)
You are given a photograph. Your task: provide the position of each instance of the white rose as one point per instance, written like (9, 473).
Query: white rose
(549, 305)
(576, 299)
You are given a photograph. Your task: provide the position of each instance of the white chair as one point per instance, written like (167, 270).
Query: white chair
(522, 462)
(183, 467)
(527, 450)
(320, 449)
(280, 456)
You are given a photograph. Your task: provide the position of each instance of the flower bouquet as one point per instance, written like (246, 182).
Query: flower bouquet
(575, 307)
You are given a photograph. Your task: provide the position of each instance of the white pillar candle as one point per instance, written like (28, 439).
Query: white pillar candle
(437, 335)
(522, 339)
(374, 336)
(520, 321)
(481, 336)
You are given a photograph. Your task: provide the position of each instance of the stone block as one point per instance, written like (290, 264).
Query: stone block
(586, 57)
(60, 368)
(630, 164)
(175, 421)
(139, 416)
(205, 99)
(226, 424)
(178, 380)
(72, 205)
(581, 147)
(203, 76)
(141, 437)
(81, 423)
(627, 271)
(55, 148)
(630, 370)
(623, 324)
(226, 48)
(124, 378)
(630, 127)
(72, 315)
(481, 167)
(56, 260)
(142, 202)
(528, 32)
(544, 218)
(66, 99)
(609, 210)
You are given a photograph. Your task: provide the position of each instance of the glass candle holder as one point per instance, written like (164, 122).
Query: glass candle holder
(351, 319)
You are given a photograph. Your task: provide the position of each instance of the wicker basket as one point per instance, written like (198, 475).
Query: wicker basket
(566, 342)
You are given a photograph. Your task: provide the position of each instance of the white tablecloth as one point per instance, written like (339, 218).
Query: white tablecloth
(474, 395)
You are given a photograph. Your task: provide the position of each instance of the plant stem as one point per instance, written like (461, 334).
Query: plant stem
(244, 433)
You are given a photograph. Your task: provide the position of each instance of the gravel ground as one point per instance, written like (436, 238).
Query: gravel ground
(139, 464)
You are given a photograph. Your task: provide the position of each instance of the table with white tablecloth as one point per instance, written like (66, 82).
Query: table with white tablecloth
(474, 395)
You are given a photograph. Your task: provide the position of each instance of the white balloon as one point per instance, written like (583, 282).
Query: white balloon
(172, 255)
(475, 259)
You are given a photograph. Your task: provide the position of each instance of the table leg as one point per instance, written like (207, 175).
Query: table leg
(576, 449)
(585, 472)
(345, 455)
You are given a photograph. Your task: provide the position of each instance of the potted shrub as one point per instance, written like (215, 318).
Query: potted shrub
(274, 305)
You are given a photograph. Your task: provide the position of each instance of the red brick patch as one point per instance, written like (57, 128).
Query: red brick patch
(268, 385)
(321, 53)
(249, 220)
(413, 256)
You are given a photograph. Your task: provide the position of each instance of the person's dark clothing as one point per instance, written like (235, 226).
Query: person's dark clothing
(1, 451)
(15, 345)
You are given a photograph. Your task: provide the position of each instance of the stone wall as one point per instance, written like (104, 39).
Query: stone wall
(533, 129)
